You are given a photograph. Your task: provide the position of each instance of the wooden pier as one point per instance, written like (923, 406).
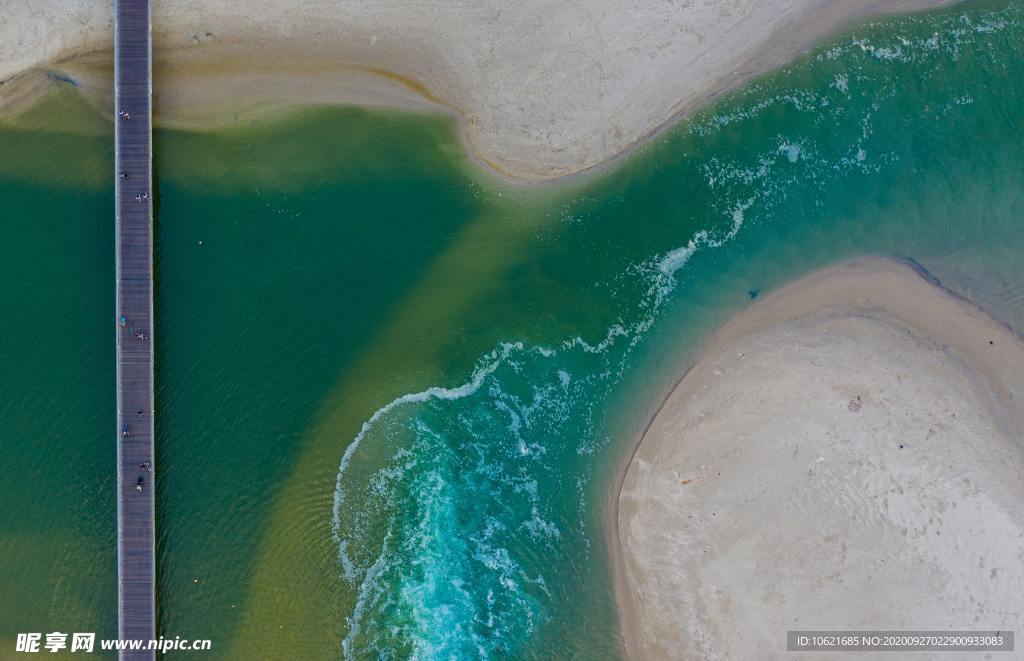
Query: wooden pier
(136, 617)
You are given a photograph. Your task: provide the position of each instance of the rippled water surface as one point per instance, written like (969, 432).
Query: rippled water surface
(393, 394)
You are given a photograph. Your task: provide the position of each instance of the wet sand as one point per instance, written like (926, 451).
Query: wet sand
(844, 454)
(542, 89)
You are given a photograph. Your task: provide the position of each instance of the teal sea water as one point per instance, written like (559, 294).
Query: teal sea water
(393, 394)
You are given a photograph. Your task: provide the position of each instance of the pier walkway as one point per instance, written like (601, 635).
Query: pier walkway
(134, 249)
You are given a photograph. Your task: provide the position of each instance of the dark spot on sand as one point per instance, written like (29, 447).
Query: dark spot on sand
(62, 78)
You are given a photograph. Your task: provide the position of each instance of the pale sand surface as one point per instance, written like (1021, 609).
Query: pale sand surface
(544, 88)
(757, 502)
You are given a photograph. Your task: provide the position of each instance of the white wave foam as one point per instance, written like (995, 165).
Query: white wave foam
(744, 186)
(486, 366)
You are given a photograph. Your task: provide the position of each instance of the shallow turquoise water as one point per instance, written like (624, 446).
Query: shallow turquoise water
(477, 531)
(393, 394)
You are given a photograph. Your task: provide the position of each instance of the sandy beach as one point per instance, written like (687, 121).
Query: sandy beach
(844, 454)
(542, 89)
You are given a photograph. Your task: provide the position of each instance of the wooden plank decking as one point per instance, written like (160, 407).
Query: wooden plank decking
(134, 249)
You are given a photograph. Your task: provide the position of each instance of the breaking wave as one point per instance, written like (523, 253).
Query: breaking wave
(457, 509)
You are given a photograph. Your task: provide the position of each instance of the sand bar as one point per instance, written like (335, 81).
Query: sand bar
(847, 454)
(543, 88)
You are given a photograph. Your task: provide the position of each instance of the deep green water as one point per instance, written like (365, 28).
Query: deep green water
(392, 393)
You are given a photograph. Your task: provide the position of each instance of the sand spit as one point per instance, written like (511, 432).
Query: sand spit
(848, 453)
(543, 88)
